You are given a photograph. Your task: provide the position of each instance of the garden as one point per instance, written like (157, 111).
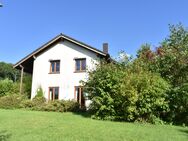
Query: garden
(133, 98)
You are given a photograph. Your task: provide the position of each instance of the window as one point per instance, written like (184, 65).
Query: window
(79, 95)
(55, 66)
(80, 65)
(53, 93)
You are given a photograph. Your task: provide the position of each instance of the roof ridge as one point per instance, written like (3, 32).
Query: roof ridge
(47, 44)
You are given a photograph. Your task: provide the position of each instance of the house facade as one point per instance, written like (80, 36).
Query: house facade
(58, 67)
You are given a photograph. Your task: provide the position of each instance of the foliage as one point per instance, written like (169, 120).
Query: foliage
(149, 88)
(27, 83)
(100, 90)
(40, 92)
(8, 87)
(4, 136)
(126, 92)
(60, 106)
(178, 97)
(144, 51)
(11, 101)
(5, 86)
(70, 105)
(28, 104)
(170, 61)
(34, 103)
(8, 75)
(7, 71)
(40, 104)
(55, 106)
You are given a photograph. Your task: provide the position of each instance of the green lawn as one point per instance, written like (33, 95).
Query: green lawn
(23, 125)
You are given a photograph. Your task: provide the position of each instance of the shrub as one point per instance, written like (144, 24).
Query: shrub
(4, 135)
(6, 86)
(70, 105)
(152, 93)
(34, 103)
(102, 87)
(27, 104)
(38, 101)
(40, 92)
(126, 92)
(40, 104)
(11, 101)
(60, 106)
(27, 83)
(178, 98)
(55, 106)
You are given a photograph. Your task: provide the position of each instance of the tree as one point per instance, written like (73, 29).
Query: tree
(7, 71)
(126, 92)
(170, 60)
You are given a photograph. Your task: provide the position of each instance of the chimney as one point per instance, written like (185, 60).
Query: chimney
(105, 48)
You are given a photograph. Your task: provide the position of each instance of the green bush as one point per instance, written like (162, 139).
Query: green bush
(178, 98)
(34, 103)
(55, 106)
(27, 104)
(126, 92)
(152, 93)
(70, 105)
(60, 106)
(40, 92)
(38, 101)
(7, 71)
(11, 101)
(27, 83)
(6, 86)
(40, 104)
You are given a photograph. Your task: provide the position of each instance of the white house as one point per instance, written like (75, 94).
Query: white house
(59, 65)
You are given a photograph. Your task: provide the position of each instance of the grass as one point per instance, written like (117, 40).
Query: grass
(22, 125)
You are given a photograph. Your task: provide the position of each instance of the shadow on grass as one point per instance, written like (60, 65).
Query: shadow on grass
(185, 131)
(4, 135)
(84, 114)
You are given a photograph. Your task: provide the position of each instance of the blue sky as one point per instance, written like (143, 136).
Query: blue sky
(125, 24)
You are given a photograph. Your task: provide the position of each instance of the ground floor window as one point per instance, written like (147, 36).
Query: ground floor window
(53, 93)
(79, 95)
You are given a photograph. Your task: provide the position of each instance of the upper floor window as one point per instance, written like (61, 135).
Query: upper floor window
(55, 66)
(80, 65)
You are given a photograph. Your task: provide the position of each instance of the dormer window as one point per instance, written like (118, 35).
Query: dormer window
(55, 66)
(80, 65)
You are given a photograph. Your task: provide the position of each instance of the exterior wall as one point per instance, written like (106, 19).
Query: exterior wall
(66, 52)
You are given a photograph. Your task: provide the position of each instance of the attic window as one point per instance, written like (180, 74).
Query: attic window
(55, 66)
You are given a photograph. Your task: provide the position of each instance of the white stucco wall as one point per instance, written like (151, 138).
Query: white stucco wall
(65, 52)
